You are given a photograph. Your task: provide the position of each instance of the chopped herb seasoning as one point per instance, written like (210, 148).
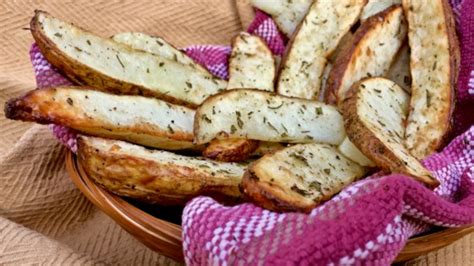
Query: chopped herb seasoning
(381, 123)
(161, 64)
(78, 49)
(159, 43)
(300, 191)
(69, 101)
(205, 118)
(233, 129)
(240, 123)
(319, 110)
(428, 99)
(315, 185)
(377, 91)
(170, 129)
(189, 84)
(120, 61)
(204, 166)
(59, 35)
(275, 107)
(148, 70)
(175, 57)
(88, 42)
(327, 171)
(273, 127)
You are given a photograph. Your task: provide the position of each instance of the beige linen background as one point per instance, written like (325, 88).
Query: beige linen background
(43, 218)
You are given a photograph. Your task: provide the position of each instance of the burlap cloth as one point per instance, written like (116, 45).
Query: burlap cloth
(44, 218)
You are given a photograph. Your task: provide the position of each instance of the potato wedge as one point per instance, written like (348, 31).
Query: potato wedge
(303, 64)
(156, 176)
(434, 64)
(374, 113)
(230, 150)
(158, 46)
(265, 116)
(353, 153)
(399, 71)
(251, 64)
(107, 65)
(299, 178)
(286, 14)
(147, 121)
(375, 6)
(376, 42)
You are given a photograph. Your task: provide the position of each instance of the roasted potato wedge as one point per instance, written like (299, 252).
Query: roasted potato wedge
(352, 152)
(299, 178)
(374, 113)
(376, 43)
(230, 150)
(286, 14)
(158, 46)
(251, 64)
(375, 6)
(156, 176)
(434, 63)
(146, 121)
(303, 65)
(259, 115)
(399, 71)
(107, 65)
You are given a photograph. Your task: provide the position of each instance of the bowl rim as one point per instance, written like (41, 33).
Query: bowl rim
(166, 237)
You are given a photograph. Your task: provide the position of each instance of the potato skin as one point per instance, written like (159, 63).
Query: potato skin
(344, 57)
(373, 148)
(230, 150)
(148, 181)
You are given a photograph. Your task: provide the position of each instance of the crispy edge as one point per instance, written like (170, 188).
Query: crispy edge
(454, 66)
(28, 108)
(270, 197)
(230, 151)
(370, 145)
(85, 153)
(341, 63)
(85, 75)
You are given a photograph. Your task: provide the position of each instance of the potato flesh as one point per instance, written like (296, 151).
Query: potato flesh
(123, 63)
(251, 64)
(383, 107)
(375, 6)
(318, 36)
(286, 14)
(352, 152)
(316, 170)
(155, 45)
(431, 72)
(265, 116)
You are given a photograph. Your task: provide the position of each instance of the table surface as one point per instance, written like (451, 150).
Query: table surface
(43, 217)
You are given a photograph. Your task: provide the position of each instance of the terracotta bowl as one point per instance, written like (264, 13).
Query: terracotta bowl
(159, 227)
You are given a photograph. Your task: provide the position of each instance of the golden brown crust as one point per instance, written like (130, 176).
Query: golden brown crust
(372, 146)
(270, 197)
(344, 57)
(230, 150)
(84, 75)
(151, 181)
